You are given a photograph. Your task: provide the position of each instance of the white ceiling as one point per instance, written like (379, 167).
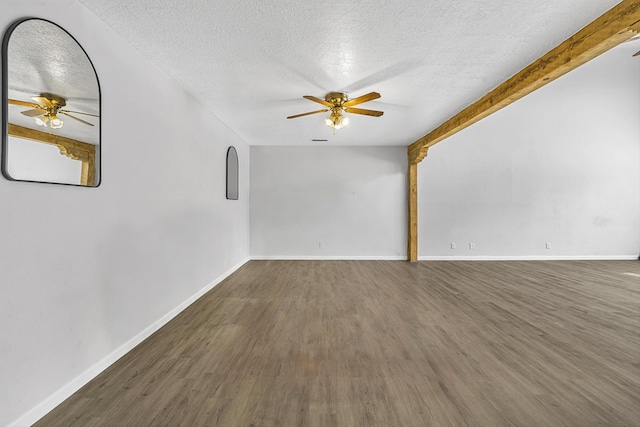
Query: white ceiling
(249, 62)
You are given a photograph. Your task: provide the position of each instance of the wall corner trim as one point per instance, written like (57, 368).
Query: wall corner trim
(44, 407)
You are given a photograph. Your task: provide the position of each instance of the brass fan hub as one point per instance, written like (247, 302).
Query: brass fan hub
(56, 100)
(336, 98)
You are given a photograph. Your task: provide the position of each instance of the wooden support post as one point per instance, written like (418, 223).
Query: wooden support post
(412, 174)
(88, 176)
(412, 239)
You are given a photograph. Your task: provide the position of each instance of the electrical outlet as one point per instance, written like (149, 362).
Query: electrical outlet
(547, 245)
(453, 245)
(321, 245)
(472, 245)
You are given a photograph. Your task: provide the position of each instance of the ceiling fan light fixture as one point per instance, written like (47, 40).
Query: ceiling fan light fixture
(55, 122)
(336, 120)
(50, 120)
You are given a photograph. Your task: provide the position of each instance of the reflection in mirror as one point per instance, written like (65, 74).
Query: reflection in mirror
(232, 174)
(51, 95)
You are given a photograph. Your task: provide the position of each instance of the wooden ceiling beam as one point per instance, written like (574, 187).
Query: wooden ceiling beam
(612, 28)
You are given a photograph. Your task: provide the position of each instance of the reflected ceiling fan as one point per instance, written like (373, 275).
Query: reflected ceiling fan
(338, 103)
(46, 109)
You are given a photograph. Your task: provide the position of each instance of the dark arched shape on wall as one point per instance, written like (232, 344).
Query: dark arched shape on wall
(232, 174)
(50, 104)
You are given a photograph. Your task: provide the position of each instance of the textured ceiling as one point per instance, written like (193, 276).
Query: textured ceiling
(43, 58)
(250, 62)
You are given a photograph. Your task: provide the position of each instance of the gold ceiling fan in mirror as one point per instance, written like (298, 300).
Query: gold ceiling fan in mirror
(338, 103)
(46, 109)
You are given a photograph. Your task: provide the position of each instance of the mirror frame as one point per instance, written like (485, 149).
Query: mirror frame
(74, 149)
(233, 174)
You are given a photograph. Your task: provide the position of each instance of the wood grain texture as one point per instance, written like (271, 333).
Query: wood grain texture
(412, 232)
(612, 28)
(386, 343)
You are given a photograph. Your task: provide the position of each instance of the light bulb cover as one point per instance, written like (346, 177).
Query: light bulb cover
(56, 123)
(336, 120)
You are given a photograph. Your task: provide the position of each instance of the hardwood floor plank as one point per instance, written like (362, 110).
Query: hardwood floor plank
(386, 343)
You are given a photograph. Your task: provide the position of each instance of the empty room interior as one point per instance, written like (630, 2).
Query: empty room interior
(239, 213)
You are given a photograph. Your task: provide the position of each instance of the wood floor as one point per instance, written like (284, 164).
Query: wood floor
(386, 343)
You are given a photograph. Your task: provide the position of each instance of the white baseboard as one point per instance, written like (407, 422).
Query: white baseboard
(327, 258)
(44, 407)
(448, 258)
(531, 258)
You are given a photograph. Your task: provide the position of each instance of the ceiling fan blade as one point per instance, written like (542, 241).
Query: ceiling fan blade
(33, 113)
(42, 101)
(23, 103)
(318, 100)
(78, 112)
(364, 98)
(75, 118)
(306, 114)
(373, 113)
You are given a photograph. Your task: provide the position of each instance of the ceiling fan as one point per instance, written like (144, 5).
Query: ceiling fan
(46, 108)
(339, 103)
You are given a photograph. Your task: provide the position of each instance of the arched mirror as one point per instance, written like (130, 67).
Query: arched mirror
(232, 173)
(51, 107)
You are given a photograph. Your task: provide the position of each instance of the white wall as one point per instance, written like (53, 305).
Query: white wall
(350, 200)
(561, 165)
(87, 272)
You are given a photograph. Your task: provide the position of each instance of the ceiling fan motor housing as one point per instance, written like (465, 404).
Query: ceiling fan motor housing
(56, 100)
(336, 98)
